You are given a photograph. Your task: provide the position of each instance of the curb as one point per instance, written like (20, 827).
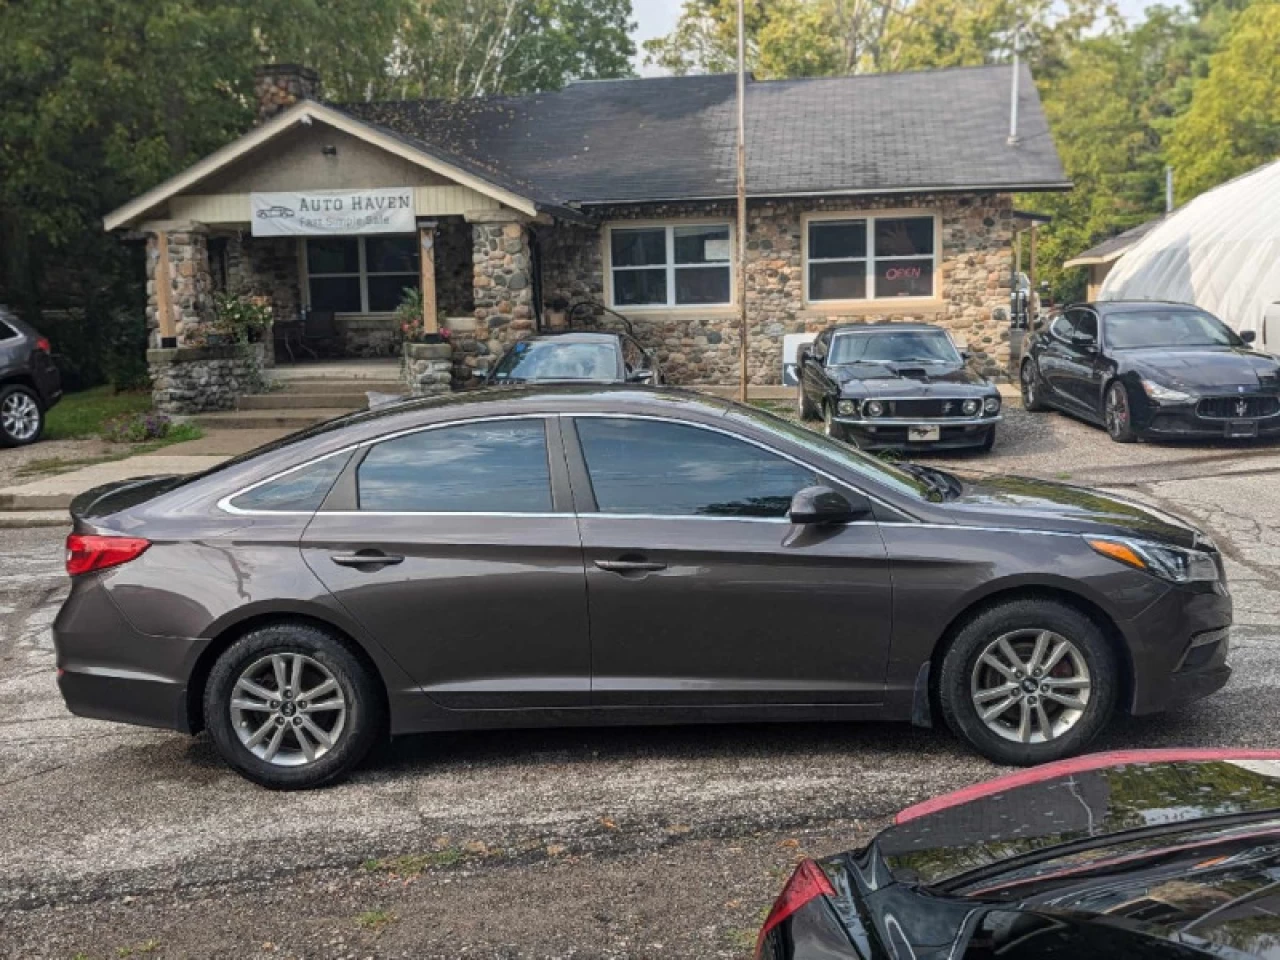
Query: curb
(28, 519)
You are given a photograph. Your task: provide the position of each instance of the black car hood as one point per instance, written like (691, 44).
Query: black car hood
(908, 379)
(1179, 846)
(1024, 503)
(1215, 369)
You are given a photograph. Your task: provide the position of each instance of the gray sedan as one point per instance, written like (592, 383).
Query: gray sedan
(604, 555)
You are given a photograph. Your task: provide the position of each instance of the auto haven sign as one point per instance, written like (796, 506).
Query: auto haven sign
(320, 213)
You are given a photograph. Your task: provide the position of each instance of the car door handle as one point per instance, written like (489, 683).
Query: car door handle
(631, 566)
(366, 558)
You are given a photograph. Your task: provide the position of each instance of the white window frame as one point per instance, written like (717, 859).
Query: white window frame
(669, 227)
(869, 217)
(362, 272)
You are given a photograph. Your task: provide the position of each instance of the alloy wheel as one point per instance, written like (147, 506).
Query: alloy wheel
(20, 416)
(1117, 412)
(288, 709)
(1028, 385)
(1030, 686)
(828, 421)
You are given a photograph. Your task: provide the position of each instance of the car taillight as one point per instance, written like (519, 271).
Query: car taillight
(43, 345)
(86, 553)
(806, 884)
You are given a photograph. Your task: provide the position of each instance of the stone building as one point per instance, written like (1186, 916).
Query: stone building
(869, 198)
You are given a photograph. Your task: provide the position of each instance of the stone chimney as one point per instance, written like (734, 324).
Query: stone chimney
(278, 86)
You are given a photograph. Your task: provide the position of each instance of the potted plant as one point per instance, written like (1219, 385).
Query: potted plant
(409, 315)
(240, 317)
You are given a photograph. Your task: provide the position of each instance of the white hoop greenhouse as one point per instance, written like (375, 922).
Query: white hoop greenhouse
(1221, 252)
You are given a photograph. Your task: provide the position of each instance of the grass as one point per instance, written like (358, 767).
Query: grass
(375, 920)
(82, 414)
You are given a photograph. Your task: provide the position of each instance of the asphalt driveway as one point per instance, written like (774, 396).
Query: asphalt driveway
(611, 843)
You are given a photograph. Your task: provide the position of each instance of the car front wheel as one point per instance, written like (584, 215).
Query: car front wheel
(1118, 414)
(1028, 681)
(830, 427)
(804, 409)
(21, 416)
(1030, 388)
(291, 707)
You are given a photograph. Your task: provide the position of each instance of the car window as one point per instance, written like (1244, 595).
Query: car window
(1084, 323)
(301, 490)
(894, 346)
(7, 332)
(498, 466)
(1063, 326)
(551, 360)
(632, 356)
(672, 469)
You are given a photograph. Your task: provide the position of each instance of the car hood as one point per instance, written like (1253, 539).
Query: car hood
(1183, 846)
(1208, 368)
(1025, 503)
(909, 379)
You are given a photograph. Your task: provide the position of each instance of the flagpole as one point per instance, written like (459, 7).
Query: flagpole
(741, 265)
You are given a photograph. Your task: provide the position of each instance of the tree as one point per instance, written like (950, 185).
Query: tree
(1233, 122)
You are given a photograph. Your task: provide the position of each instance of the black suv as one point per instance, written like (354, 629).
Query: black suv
(29, 382)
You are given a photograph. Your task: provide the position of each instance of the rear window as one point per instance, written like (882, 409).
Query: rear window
(300, 490)
(7, 332)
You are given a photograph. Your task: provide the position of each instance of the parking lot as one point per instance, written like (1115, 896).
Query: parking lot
(608, 843)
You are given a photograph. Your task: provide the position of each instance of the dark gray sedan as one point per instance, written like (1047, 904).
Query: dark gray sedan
(29, 382)
(607, 555)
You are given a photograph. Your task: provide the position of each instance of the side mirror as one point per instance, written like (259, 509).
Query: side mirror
(966, 356)
(823, 505)
(641, 376)
(1248, 336)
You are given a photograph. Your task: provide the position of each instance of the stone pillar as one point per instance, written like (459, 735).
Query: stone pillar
(503, 286)
(427, 368)
(179, 284)
(188, 380)
(278, 86)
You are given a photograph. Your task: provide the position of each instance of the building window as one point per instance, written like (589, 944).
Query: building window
(871, 258)
(360, 274)
(670, 266)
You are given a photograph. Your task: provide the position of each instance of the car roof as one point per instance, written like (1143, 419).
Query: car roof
(879, 326)
(1122, 306)
(573, 336)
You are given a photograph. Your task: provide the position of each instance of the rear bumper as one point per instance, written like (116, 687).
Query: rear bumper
(107, 670)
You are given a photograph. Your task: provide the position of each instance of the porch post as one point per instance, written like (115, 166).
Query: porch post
(160, 287)
(503, 288)
(180, 286)
(427, 266)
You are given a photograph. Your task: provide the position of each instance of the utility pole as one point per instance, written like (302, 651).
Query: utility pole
(1013, 89)
(741, 265)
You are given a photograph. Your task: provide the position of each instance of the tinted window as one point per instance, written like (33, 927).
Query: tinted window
(301, 490)
(1084, 323)
(1062, 327)
(901, 346)
(498, 466)
(7, 332)
(649, 466)
(558, 360)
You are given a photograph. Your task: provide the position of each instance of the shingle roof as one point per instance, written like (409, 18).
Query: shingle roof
(670, 138)
(1113, 247)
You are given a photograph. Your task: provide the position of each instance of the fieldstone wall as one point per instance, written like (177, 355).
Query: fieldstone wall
(370, 335)
(190, 282)
(189, 380)
(701, 346)
(267, 266)
(502, 290)
(427, 368)
(471, 354)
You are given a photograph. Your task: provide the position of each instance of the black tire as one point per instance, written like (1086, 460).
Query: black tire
(1117, 413)
(989, 441)
(830, 427)
(956, 676)
(804, 408)
(20, 410)
(363, 722)
(1029, 381)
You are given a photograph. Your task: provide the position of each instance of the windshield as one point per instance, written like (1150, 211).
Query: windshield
(548, 360)
(1136, 329)
(894, 346)
(864, 464)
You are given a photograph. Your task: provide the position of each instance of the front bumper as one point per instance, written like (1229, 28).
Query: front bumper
(1179, 647)
(1183, 420)
(954, 433)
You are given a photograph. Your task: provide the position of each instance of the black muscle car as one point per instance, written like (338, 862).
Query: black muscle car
(895, 385)
(1136, 855)
(1151, 369)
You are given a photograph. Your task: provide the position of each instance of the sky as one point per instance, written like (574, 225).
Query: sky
(654, 18)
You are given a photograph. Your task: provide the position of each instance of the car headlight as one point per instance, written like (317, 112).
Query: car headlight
(845, 407)
(970, 407)
(991, 405)
(1175, 564)
(1162, 394)
(873, 408)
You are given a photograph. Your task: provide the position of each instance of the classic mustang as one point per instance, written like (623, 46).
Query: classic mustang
(880, 385)
(1151, 369)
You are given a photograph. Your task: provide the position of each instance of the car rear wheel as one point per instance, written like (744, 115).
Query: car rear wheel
(290, 707)
(1030, 388)
(1118, 414)
(1028, 681)
(21, 416)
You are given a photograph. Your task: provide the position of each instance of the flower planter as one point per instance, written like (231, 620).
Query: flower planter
(427, 368)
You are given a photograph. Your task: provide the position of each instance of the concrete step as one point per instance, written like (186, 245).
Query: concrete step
(315, 387)
(354, 400)
(268, 419)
